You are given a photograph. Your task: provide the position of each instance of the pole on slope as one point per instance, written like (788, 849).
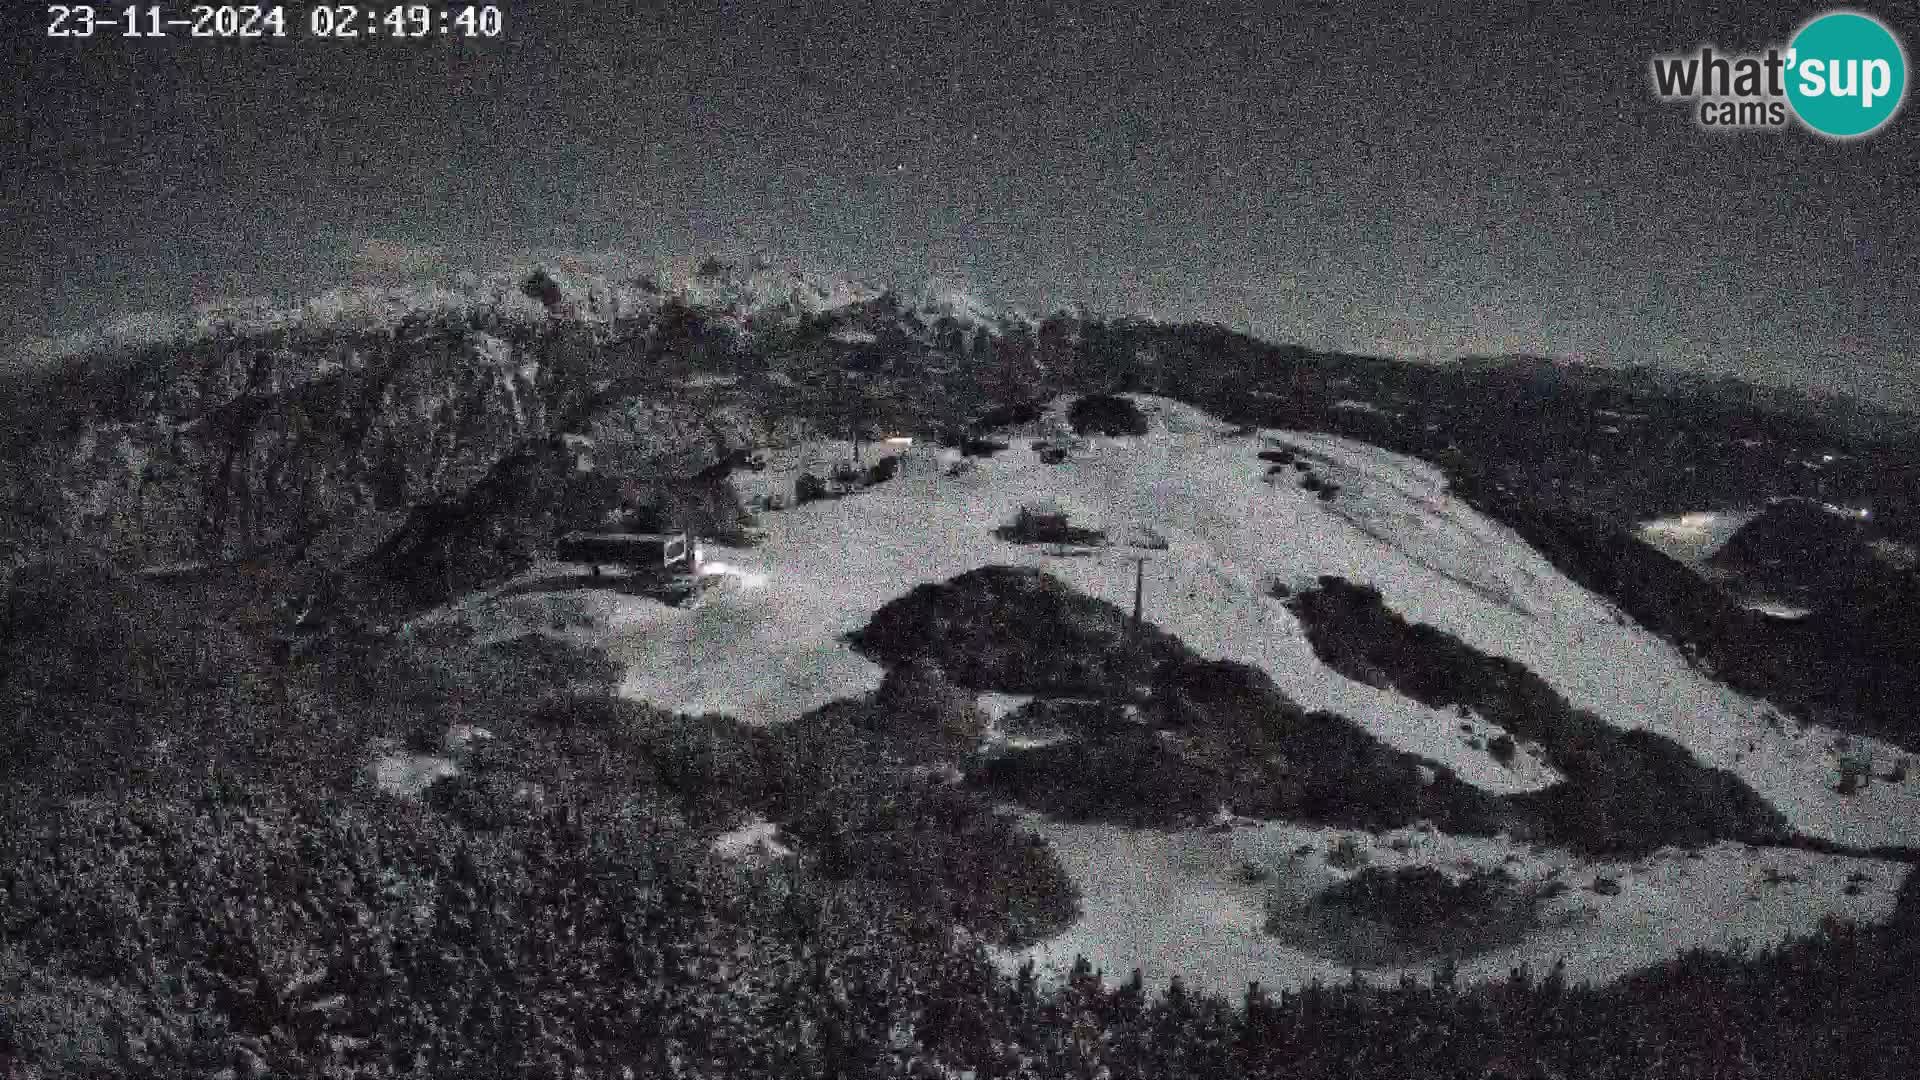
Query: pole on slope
(1139, 576)
(1130, 643)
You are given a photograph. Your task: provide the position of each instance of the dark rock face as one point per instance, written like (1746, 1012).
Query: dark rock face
(438, 448)
(430, 453)
(492, 531)
(236, 448)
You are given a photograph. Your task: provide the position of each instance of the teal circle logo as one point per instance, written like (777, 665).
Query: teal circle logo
(1847, 74)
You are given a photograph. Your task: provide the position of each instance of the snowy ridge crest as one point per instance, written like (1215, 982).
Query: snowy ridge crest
(498, 296)
(588, 294)
(764, 289)
(745, 297)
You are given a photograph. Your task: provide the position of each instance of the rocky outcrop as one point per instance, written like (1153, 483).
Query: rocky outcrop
(489, 533)
(239, 447)
(427, 434)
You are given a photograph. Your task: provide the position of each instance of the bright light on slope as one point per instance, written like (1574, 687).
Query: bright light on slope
(746, 579)
(1684, 527)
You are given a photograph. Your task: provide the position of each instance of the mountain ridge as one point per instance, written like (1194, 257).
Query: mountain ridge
(319, 442)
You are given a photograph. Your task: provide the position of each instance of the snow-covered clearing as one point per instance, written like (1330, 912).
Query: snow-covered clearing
(1899, 555)
(1693, 538)
(410, 775)
(705, 380)
(396, 772)
(994, 710)
(996, 707)
(1183, 902)
(758, 838)
(1777, 610)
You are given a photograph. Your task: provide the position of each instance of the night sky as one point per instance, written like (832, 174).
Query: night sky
(1348, 175)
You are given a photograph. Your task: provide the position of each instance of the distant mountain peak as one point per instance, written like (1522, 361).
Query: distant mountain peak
(939, 296)
(744, 296)
(763, 288)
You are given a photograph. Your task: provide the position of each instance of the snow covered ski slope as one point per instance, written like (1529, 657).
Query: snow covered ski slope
(771, 647)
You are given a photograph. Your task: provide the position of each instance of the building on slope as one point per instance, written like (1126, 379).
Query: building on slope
(1043, 521)
(655, 554)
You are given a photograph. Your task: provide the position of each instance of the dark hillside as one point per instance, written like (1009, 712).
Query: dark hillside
(1203, 732)
(1798, 549)
(1069, 644)
(1625, 791)
(97, 667)
(1856, 661)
